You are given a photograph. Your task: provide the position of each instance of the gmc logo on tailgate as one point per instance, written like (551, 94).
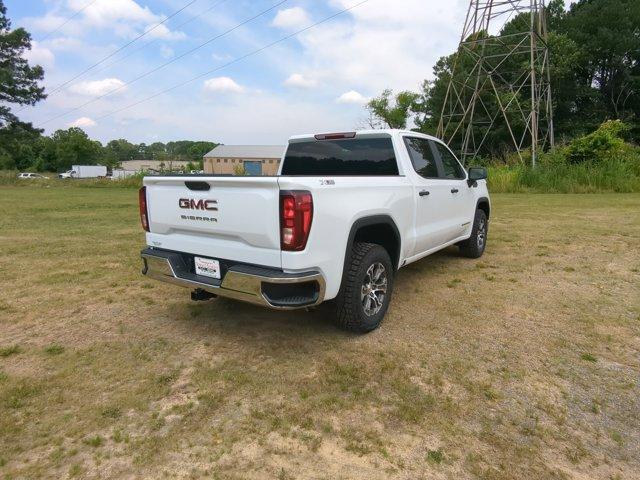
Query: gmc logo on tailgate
(191, 204)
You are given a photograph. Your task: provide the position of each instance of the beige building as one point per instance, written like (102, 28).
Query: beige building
(252, 159)
(153, 165)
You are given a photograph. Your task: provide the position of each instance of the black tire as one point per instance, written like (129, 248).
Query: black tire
(351, 310)
(477, 242)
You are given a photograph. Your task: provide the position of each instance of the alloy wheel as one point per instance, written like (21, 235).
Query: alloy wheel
(374, 289)
(482, 233)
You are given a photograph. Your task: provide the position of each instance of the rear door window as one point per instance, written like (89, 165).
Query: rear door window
(422, 157)
(346, 157)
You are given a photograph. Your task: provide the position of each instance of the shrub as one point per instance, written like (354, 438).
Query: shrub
(9, 177)
(553, 158)
(607, 139)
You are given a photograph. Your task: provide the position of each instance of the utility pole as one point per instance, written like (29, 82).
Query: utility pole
(491, 71)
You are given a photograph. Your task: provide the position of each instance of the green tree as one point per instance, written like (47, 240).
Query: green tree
(18, 80)
(73, 147)
(121, 150)
(18, 85)
(198, 149)
(18, 146)
(156, 151)
(608, 74)
(143, 152)
(179, 150)
(393, 112)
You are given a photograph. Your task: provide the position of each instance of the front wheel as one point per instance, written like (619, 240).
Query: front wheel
(366, 289)
(477, 242)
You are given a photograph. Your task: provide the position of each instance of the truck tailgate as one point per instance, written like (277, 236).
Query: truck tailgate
(231, 218)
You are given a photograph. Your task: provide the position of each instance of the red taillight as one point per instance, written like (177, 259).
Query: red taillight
(142, 201)
(296, 213)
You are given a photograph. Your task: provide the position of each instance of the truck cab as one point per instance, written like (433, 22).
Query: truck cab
(67, 174)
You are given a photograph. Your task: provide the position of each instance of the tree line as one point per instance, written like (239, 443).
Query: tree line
(73, 146)
(23, 147)
(595, 76)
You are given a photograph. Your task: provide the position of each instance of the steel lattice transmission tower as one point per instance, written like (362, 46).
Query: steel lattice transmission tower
(500, 83)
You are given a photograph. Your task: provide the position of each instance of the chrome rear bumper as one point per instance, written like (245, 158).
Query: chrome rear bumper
(241, 282)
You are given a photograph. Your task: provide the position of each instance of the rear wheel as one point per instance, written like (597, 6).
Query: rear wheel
(477, 242)
(366, 289)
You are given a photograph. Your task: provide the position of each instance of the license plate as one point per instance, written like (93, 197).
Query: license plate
(207, 267)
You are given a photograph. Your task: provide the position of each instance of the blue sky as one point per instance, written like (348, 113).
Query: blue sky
(317, 81)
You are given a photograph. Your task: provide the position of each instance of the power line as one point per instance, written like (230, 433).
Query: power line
(236, 60)
(78, 12)
(163, 65)
(119, 49)
(142, 47)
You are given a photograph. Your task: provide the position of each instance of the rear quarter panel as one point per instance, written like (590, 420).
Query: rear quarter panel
(338, 202)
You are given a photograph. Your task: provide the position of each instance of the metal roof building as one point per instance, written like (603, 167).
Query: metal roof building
(240, 159)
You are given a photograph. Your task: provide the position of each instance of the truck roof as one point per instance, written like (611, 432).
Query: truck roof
(389, 131)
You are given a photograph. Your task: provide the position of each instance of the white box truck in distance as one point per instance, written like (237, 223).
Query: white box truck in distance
(85, 171)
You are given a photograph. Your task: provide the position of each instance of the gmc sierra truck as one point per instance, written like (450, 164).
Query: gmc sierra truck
(345, 212)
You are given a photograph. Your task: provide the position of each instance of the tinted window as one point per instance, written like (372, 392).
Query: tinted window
(422, 157)
(357, 156)
(450, 165)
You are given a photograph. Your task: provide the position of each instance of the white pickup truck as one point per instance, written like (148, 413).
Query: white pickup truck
(345, 212)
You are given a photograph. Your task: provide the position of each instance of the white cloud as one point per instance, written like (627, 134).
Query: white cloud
(222, 84)
(39, 55)
(96, 88)
(166, 52)
(81, 51)
(300, 81)
(65, 43)
(291, 18)
(126, 18)
(51, 21)
(161, 31)
(105, 12)
(243, 119)
(83, 122)
(352, 97)
(364, 48)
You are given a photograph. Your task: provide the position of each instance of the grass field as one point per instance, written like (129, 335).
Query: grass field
(524, 364)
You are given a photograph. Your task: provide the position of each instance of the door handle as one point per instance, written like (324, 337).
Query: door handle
(454, 190)
(424, 193)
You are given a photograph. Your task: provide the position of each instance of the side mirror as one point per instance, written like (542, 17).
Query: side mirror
(475, 174)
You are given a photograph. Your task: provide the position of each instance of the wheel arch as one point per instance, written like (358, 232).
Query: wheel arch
(379, 229)
(484, 205)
